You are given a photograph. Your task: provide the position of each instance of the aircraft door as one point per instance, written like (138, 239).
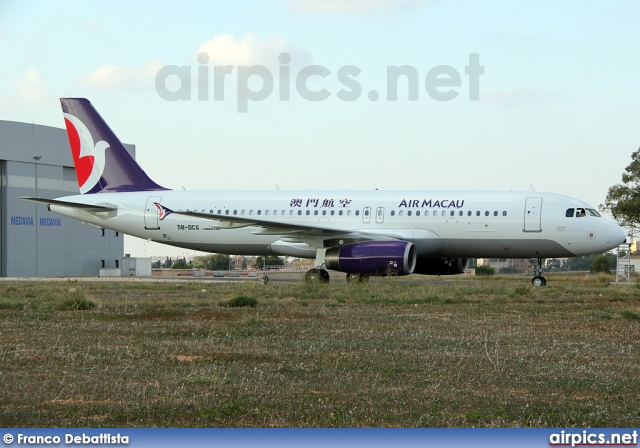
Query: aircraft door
(151, 213)
(366, 215)
(380, 215)
(533, 215)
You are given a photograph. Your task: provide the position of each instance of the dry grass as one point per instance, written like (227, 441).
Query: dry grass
(382, 354)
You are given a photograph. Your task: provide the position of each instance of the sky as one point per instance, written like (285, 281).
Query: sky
(498, 94)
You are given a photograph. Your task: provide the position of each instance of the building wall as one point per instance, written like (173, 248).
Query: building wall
(34, 242)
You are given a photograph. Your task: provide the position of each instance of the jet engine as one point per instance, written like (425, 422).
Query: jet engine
(373, 258)
(441, 266)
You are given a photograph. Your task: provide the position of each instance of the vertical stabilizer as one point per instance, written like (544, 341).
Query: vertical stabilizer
(102, 163)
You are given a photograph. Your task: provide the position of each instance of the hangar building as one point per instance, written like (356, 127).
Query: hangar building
(36, 161)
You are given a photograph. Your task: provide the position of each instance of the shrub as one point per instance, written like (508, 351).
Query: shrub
(77, 301)
(629, 314)
(600, 264)
(485, 270)
(241, 301)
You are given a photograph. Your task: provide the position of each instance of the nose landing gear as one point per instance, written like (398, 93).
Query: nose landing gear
(538, 279)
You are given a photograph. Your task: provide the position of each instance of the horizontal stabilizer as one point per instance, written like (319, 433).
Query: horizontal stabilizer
(84, 207)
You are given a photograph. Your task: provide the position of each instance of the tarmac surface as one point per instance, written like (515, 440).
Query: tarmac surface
(274, 277)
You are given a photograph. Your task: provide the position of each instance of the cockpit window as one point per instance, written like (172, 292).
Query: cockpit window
(593, 212)
(581, 212)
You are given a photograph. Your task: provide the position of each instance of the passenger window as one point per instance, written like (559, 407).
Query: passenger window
(315, 212)
(444, 213)
(259, 212)
(569, 213)
(409, 213)
(504, 213)
(495, 213)
(333, 212)
(308, 212)
(426, 213)
(266, 212)
(452, 213)
(400, 213)
(357, 212)
(226, 212)
(324, 212)
(478, 213)
(393, 213)
(486, 213)
(299, 212)
(461, 213)
(366, 213)
(469, 213)
(417, 213)
(340, 212)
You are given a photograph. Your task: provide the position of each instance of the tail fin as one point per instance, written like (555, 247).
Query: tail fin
(102, 163)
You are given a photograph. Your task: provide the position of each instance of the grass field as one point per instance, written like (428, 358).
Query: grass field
(384, 354)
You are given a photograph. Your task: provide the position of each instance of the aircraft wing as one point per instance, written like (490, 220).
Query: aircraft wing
(285, 230)
(76, 205)
(269, 227)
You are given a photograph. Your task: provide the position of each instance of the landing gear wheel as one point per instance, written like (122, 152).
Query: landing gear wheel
(356, 277)
(265, 279)
(312, 276)
(316, 275)
(539, 280)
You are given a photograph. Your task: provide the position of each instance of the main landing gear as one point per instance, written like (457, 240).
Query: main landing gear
(356, 277)
(320, 275)
(316, 275)
(538, 279)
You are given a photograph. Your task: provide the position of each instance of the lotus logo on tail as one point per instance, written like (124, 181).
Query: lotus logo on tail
(163, 211)
(88, 157)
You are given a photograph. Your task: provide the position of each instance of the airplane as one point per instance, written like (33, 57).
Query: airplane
(359, 233)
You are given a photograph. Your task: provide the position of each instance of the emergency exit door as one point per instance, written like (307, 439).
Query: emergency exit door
(533, 215)
(152, 213)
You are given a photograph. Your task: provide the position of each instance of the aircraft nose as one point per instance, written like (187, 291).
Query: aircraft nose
(616, 235)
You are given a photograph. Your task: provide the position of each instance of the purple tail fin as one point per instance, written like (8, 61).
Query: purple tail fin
(102, 163)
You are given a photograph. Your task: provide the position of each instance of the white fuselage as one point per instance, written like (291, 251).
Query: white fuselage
(487, 224)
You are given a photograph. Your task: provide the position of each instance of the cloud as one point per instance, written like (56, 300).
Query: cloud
(350, 7)
(523, 96)
(121, 76)
(30, 87)
(249, 50)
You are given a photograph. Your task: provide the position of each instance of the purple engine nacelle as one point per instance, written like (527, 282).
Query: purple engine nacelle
(373, 258)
